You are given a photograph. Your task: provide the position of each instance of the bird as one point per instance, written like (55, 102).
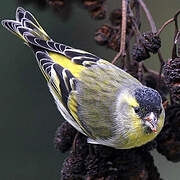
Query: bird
(100, 100)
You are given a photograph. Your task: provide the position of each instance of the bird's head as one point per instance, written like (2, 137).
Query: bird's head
(142, 109)
(139, 115)
(149, 109)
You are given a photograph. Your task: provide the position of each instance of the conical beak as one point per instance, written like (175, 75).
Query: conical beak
(151, 121)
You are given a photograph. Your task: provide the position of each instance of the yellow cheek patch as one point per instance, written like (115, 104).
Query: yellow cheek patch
(130, 100)
(63, 61)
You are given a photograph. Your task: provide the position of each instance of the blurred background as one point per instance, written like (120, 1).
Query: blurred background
(29, 117)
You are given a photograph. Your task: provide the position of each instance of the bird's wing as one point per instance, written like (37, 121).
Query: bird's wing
(62, 85)
(77, 56)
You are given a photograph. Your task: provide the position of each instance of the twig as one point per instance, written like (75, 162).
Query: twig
(160, 57)
(175, 19)
(148, 15)
(174, 51)
(164, 25)
(147, 70)
(162, 64)
(140, 71)
(168, 22)
(74, 142)
(128, 58)
(123, 33)
(177, 37)
(177, 42)
(138, 14)
(135, 22)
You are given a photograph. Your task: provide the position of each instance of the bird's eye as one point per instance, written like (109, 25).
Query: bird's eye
(136, 109)
(159, 111)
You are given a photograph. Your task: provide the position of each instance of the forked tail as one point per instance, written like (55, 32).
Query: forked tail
(25, 24)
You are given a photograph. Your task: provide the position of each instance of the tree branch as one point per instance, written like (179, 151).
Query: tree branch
(123, 32)
(148, 15)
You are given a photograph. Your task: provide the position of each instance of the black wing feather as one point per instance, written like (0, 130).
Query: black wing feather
(77, 56)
